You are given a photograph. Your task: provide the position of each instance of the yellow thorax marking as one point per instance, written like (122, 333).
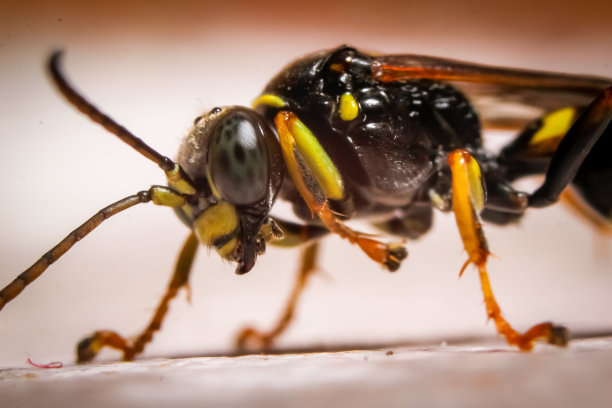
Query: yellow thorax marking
(349, 109)
(270, 100)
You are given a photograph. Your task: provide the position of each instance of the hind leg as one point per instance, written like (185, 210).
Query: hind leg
(570, 147)
(468, 200)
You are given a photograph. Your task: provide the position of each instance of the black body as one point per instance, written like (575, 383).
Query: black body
(393, 155)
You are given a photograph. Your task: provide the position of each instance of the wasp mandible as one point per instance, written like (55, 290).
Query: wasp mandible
(343, 134)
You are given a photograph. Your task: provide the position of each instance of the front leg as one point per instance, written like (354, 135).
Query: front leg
(468, 200)
(306, 160)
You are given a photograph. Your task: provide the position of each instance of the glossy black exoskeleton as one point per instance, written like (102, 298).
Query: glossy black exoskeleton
(394, 151)
(392, 156)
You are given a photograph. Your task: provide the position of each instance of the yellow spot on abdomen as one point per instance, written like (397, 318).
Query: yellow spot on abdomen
(218, 220)
(554, 125)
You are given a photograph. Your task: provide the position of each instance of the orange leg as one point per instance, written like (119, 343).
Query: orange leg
(250, 337)
(288, 125)
(89, 347)
(468, 199)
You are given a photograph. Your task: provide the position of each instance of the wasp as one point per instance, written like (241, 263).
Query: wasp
(342, 134)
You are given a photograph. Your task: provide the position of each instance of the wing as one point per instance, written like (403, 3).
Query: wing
(505, 98)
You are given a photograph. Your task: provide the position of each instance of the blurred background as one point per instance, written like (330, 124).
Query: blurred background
(154, 67)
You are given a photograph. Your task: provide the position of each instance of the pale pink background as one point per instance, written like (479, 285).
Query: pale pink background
(154, 66)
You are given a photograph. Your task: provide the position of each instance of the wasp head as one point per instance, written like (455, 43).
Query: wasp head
(233, 157)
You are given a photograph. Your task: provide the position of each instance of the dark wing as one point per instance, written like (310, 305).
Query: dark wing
(504, 97)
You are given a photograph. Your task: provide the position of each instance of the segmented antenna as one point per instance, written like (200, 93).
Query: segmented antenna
(93, 113)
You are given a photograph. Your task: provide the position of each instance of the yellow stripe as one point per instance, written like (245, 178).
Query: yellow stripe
(554, 125)
(317, 161)
(270, 100)
(213, 189)
(468, 199)
(475, 183)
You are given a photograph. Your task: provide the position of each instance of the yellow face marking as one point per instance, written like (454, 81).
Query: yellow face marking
(554, 125)
(348, 107)
(218, 220)
(227, 249)
(270, 100)
(317, 161)
(213, 189)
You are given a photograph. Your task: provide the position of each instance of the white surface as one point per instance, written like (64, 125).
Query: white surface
(436, 376)
(155, 67)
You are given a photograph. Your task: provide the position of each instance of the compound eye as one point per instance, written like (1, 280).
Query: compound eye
(238, 159)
